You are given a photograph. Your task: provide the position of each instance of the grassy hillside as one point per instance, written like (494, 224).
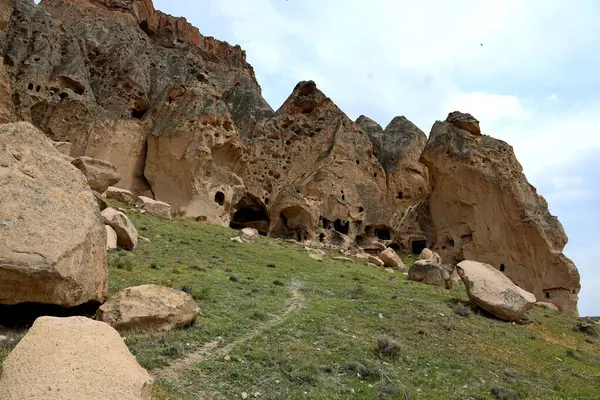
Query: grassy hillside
(276, 324)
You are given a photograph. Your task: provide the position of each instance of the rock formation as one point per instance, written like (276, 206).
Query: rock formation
(70, 359)
(52, 239)
(181, 117)
(483, 208)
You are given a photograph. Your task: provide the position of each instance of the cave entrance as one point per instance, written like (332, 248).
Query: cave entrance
(418, 245)
(250, 212)
(294, 223)
(383, 233)
(342, 227)
(220, 198)
(22, 316)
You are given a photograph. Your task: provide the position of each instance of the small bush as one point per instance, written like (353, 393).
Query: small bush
(123, 261)
(387, 347)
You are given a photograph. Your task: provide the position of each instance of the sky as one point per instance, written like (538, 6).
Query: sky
(528, 70)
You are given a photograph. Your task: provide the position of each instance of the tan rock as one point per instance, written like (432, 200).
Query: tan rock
(236, 239)
(102, 205)
(63, 147)
(159, 209)
(111, 238)
(52, 239)
(483, 208)
(149, 308)
(391, 259)
(249, 235)
(343, 259)
(72, 359)
(430, 273)
(376, 260)
(122, 195)
(363, 256)
(493, 291)
(127, 235)
(100, 174)
(426, 254)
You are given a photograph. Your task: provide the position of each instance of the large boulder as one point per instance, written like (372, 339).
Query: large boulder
(430, 273)
(52, 239)
(149, 308)
(493, 291)
(122, 195)
(100, 174)
(483, 208)
(249, 235)
(127, 234)
(391, 259)
(159, 209)
(71, 359)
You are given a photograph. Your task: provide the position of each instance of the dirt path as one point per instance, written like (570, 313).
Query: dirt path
(175, 372)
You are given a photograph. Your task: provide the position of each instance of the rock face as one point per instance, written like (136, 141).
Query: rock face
(127, 235)
(100, 174)
(491, 290)
(483, 208)
(104, 367)
(149, 308)
(182, 119)
(52, 239)
(159, 209)
(111, 238)
(430, 273)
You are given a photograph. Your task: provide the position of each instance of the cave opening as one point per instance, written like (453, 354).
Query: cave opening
(502, 268)
(341, 227)
(400, 195)
(22, 316)
(383, 233)
(418, 245)
(250, 213)
(220, 198)
(138, 113)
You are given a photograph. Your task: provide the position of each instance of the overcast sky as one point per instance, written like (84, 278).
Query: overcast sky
(534, 83)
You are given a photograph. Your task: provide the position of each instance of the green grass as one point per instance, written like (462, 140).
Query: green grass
(364, 333)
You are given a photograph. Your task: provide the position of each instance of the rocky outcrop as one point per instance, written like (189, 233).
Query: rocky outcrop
(70, 359)
(484, 209)
(99, 174)
(127, 234)
(148, 308)
(52, 239)
(491, 290)
(430, 273)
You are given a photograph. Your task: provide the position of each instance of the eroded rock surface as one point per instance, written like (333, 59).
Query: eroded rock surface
(52, 239)
(483, 208)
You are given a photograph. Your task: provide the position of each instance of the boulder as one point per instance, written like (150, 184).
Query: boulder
(122, 195)
(483, 208)
(376, 261)
(249, 235)
(71, 359)
(430, 273)
(391, 259)
(236, 239)
(52, 239)
(159, 209)
(111, 238)
(493, 291)
(149, 308)
(127, 235)
(100, 174)
(426, 254)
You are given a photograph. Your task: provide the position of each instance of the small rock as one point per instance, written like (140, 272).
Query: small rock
(504, 394)
(421, 331)
(587, 328)
(227, 358)
(236, 239)
(3, 338)
(233, 278)
(244, 395)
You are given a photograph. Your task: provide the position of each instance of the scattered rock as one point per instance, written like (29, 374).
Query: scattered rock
(430, 273)
(149, 308)
(122, 195)
(504, 394)
(491, 290)
(462, 311)
(127, 235)
(391, 259)
(82, 359)
(236, 239)
(111, 238)
(588, 328)
(99, 174)
(53, 244)
(249, 235)
(376, 261)
(549, 306)
(159, 209)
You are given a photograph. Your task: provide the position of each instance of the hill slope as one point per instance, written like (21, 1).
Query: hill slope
(278, 323)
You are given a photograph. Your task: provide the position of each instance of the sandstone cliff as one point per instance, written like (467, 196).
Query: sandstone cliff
(182, 118)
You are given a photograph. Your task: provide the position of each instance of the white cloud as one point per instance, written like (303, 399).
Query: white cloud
(488, 107)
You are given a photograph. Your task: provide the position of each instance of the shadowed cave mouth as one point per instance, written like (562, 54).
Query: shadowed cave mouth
(251, 212)
(23, 315)
(418, 245)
